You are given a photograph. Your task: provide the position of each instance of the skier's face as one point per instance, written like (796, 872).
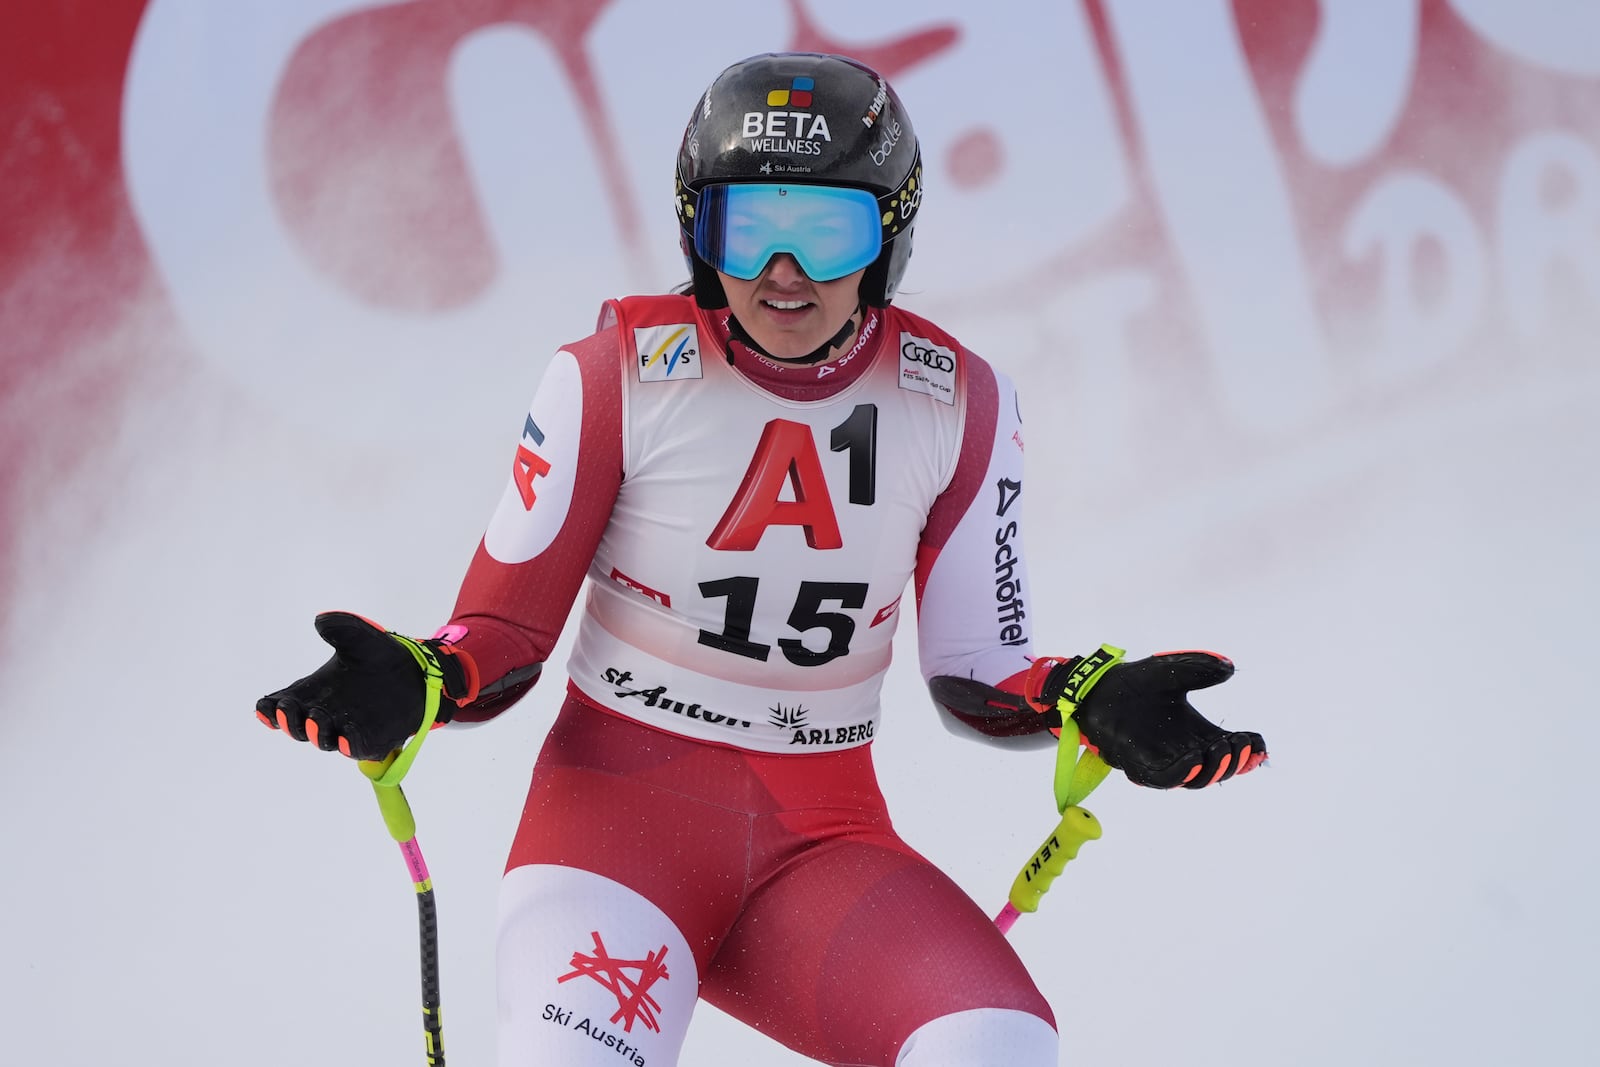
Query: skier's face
(787, 313)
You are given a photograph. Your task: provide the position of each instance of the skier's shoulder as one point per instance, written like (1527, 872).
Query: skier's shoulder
(919, 337)
(620, 322)
(933, 361)
(899, 320)
(650, 324)
(644, 311)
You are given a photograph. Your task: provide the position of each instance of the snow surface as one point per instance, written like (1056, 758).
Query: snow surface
(1410, 880)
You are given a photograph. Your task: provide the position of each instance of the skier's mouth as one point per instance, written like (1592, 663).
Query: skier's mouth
(784, 309)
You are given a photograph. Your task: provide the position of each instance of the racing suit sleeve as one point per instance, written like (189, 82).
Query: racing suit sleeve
(971, 579)
(523, 579)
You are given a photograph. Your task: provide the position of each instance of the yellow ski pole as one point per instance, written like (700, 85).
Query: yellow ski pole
(1077, 775)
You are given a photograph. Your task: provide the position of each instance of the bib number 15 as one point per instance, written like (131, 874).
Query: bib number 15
(806, 615)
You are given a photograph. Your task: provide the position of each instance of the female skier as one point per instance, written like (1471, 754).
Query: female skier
(749, 473)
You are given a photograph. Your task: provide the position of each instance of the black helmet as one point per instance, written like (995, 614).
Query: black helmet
(807, 117)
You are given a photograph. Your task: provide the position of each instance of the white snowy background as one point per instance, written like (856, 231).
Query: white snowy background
(1391, 530)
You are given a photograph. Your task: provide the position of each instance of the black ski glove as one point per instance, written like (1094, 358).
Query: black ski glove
(1137, 715)
(370, 697)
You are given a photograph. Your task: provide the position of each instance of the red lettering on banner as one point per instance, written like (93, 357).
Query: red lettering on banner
(785, 453)
(1415, 238)
(1440, 211)
(428, 244)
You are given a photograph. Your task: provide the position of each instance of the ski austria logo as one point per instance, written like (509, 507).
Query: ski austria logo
(667, 352)
(634, 1002)
(927, 368)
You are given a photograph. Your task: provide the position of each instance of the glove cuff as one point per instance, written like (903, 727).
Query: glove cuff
(459, 674)
(1038, 690)
(1071, 680)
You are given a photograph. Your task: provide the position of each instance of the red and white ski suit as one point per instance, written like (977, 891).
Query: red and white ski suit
(704, 820)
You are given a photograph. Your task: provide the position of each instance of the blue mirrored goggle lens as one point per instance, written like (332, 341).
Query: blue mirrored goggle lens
(831, 232)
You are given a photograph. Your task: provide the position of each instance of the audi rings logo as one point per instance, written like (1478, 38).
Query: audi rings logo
(927, 367)
(931, 356)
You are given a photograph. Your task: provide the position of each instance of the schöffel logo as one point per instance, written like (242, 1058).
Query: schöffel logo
(1009, 491)
(797, 95)
(928, 368)
(1010, 610)
(667, 352)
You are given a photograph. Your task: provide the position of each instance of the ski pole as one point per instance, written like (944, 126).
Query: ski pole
(1048, 860)
(385, 775)
(402, 827)
(1077, 775)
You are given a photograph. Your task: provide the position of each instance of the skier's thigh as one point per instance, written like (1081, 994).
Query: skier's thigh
(589, 972)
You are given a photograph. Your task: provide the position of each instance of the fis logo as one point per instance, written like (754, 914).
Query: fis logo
(667, 352)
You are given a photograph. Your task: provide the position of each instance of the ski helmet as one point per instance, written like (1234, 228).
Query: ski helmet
(804, 118)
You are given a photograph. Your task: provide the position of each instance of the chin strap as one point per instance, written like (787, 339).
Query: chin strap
(737, 332)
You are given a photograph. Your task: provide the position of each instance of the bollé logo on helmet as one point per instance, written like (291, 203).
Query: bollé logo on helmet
(793, 130)
(891, 137)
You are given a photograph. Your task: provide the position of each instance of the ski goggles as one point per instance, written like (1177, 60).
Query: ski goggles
(829, 230)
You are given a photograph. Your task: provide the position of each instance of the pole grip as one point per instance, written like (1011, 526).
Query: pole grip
(1077, 825)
